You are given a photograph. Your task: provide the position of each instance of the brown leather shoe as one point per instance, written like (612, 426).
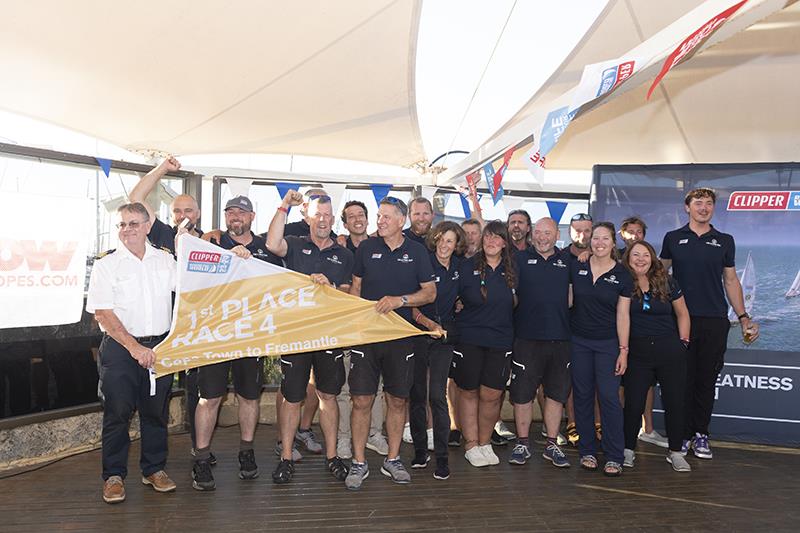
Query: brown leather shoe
(113, 490)
(160, 481)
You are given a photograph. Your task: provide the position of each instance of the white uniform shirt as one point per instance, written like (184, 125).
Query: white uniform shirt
(138, 291)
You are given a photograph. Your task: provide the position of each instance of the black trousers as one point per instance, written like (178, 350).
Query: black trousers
(126, 388)
(662, 359)
(431, 368)
(709, 341)
(192, 398)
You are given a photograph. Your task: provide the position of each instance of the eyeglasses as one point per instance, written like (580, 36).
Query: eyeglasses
(581, 216)
(646, 301)
(129, 225)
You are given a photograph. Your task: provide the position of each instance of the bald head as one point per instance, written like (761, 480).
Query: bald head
(184, 206)
(545, 235)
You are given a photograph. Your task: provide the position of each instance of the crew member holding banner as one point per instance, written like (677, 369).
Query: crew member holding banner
(327, 263)
(248, 372)
(395, 272)
(130, 294)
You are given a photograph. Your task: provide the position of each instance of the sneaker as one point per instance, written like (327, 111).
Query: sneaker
(202, 478)
(356, 476)
(442, 468)
(407, 434)
(475, 457)
(283, 473)
(488, 452)
(685, 447)
(502, 430)
(629, 458)
(247, 465)
(561, 440)
(498, 440)
(395, 469)
(377, 443)
(338, 468)
(572, 434)
(344, 449)
(421, 459)
(212, 459)
(455, 438)
(654, 437)
(519, 455)
(160, 481)
(114, 490)
(678, 462)
(700, 447)
(555, 455)
(296, 456)
(430, 440)
(307, 438)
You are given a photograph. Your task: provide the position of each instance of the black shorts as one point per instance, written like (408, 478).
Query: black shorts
(537, 363)
(296, 369)
(248, 377)
(394, 360)
(474, 366)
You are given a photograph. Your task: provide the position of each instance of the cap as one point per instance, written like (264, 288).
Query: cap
(242, 202)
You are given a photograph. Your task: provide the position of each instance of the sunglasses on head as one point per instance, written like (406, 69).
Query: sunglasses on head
(581, 216)
(323, 197)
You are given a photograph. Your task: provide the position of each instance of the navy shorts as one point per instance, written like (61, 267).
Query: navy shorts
(537, 363)
(394, 360)
(474, 366)
(296, 369)
(248, 378)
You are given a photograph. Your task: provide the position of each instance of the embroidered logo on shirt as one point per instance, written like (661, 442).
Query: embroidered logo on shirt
(476, 272)
(612, 279)
(560, 264)
(307, 251)
(583, 272)
(334, 259)
(405, 259)
(455, 275)
(376, 256)
(437, 279)
(532, 261)
(714, 243)
(683, 241)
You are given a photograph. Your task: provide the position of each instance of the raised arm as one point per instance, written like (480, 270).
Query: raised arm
(145, 186)
(275, 241)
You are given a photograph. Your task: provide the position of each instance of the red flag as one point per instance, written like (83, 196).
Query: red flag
(692, 42)
(498, 176)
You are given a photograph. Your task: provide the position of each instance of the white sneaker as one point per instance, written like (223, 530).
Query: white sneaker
(654, 437)
(678, 462)
(475, 457)
(502, 430)
(488, 452)
(377, 443)
(630, 457)
(407, 434)
(344, 449)
(430, 440)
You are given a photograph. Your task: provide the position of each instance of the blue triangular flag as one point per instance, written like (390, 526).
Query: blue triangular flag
(105, 164)
(556, 210)
(465, 205)
(380, 191)
(283, 188)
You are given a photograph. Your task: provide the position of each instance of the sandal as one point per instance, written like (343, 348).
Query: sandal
(283, 472)
(612, 469)
(598, 431)
(572, 434)
(589, 462)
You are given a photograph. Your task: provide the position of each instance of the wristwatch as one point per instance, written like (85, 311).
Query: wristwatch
(404, 299)
(744, 315)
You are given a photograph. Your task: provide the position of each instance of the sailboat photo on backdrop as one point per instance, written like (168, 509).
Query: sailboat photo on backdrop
(794, 290)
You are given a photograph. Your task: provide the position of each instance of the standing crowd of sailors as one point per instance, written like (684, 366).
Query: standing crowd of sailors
(588, 329)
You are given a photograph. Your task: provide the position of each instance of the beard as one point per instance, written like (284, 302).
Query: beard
(238, 231)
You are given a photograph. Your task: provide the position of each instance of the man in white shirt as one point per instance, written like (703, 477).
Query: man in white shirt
(130, 295)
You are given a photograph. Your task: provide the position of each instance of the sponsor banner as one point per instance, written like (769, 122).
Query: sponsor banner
(535, 162)
(598, 79)
(764, 200)
(554, 126)
(693, 41)
(227, 308)
(42, 259)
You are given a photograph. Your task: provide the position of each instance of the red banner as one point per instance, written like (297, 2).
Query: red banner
(692, 42)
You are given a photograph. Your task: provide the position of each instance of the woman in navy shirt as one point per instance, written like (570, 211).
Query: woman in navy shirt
(600, 321)
(658, 350)
(432, 357)
(481, 362)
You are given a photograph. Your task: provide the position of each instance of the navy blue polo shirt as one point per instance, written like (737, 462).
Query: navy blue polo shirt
(442, 309)
(350, 246)
(257, 247)
(542, 313)
(488, 323)
(335, 261)
(297, 229)
(386, 272)
(163, 236)
(414, 237)
(653, 317)
(697, 264)
(594, 305)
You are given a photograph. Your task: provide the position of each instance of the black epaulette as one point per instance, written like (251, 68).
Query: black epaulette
(162, 248)
(103, 254)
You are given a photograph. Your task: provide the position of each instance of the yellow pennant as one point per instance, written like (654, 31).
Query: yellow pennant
(227, 308)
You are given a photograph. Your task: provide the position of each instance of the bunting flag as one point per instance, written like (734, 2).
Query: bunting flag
(535, 162)
(497, 193)
(241, 187)
(554, 126)
(465, 206)
(693, 41)
(556, 210)
(228, 308)
(498, 176)
(105, 164)
(380, 191)
(284, 187)
(599, 79)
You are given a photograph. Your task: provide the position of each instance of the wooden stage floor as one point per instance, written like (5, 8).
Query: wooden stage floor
(742, 489)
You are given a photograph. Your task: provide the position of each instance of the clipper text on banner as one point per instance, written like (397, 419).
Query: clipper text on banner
(228, 308)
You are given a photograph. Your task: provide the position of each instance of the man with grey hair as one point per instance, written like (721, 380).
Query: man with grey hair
(133, 322)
